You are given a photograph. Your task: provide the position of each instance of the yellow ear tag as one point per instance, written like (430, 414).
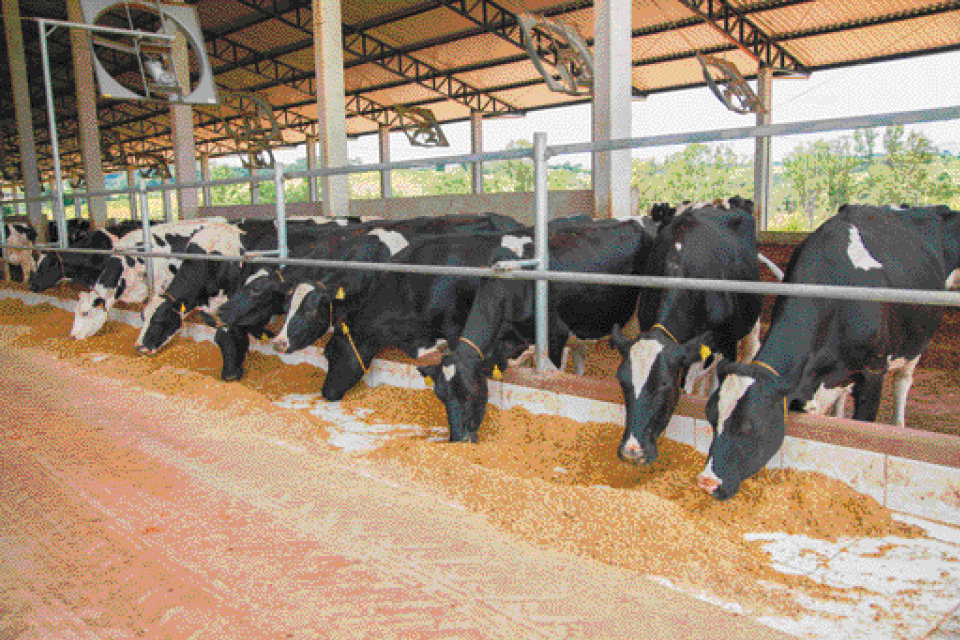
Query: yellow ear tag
(346, 331)
(497, 374)
(427, 380)
(340, 294)
(183, 308)
(705, 352)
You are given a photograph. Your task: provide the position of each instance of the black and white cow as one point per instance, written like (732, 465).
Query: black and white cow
(816, 346)
(83, 268)
(204, 285)
(501, 305)
(412, 312)
(302, 292)
(20, 234)
(77, 228)
(712, 242)
(124, 278)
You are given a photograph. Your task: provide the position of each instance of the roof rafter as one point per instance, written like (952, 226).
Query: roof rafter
(370, 49)
(744, 33)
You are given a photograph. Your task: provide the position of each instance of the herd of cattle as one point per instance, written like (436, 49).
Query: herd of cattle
(816, 351)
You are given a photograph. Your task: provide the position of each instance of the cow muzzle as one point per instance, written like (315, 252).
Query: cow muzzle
(708, 484)
(632, 452)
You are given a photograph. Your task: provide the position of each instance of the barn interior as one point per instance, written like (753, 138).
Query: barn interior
(250, 78)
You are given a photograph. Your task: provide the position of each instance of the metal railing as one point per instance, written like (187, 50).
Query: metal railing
(540, 155)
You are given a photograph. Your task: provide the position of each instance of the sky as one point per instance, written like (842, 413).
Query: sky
(916, 83)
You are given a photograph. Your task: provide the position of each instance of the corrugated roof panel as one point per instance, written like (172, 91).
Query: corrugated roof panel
(472, 51)
(879, 41)
(425, 27)
(815, 16)
(501, 75)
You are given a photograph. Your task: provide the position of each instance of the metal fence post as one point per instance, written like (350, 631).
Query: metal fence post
(540, 240)
(281, 210)
(145, 225)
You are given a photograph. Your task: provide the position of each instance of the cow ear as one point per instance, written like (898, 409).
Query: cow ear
(619, 341)
(99, 302)
(697, 350)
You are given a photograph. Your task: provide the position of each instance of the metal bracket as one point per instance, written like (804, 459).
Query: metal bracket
(729, 86)
(252, 137)
(571, 71)
(152, 165)
(153, 54)
(78, 182)
(421, 127)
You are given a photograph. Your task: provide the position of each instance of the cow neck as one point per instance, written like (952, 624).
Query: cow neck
(787, 346)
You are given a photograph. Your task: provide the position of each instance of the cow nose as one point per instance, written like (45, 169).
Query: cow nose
(632, 452)
(707, 484)
(281, 344)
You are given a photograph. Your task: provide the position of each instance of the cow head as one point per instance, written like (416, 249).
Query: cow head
(308, 319)
(49, 272)
(347, 360)
(162, 318)
(461, 385)
(649, 376)
(89, 315)
(257, 301)
(748, 414)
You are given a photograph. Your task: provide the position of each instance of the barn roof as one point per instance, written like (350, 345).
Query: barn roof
(454, 56)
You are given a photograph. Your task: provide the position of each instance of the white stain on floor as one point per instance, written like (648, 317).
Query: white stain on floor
(898, 588)
(348, 431)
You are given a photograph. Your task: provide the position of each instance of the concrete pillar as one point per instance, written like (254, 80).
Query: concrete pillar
(205, 175)
(611, 106)
(90, 151)
(132, 184)
(184, 143)
(761, 159)
(24, 114)
(313, 188)
(386, 176)
(476, 146)
(331, 104)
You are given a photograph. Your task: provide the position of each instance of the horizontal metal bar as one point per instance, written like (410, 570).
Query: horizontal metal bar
(866, 294)
(716, 135)
(783, 129)
(92, 27)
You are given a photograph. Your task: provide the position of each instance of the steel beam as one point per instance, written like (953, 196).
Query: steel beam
(745, 34)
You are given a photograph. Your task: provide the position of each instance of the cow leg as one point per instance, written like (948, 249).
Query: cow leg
(233, 349)
(902, 381)
(866, 395)
(576, 350)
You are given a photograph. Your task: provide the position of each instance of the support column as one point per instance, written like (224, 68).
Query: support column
(313, 189)
(386, 175)
(167, 202)
(205, 175)
(90, 151)
(24, 114)
(331, 104)
(184, 143)
(132, 184)
(761, 159)
(476, 146)
(611, 106)
(254, 186)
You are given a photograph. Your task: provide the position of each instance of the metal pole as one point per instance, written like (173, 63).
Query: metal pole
(57, 202)
(167, 196)
(281, 210)
(761, 159)
(145, 225)
(3, 238)
(131, 187)
(540, 239)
